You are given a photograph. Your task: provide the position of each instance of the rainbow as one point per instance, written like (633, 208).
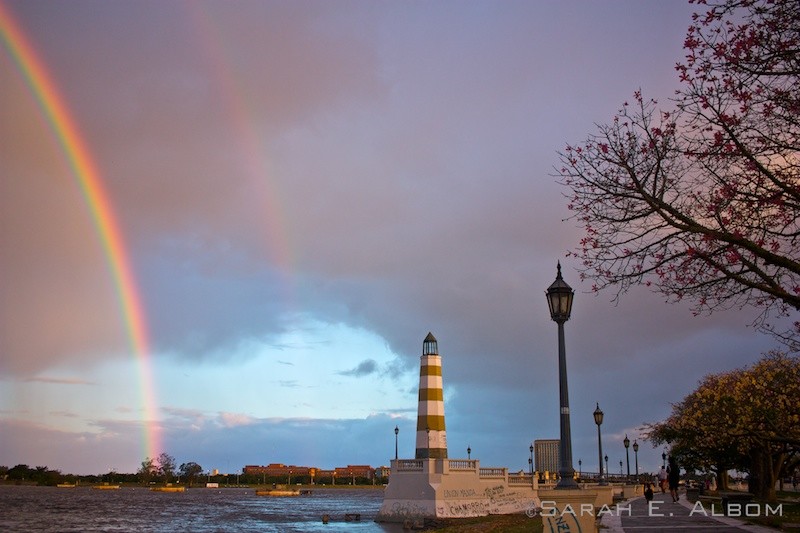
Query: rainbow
(69, 138)
(210, 43)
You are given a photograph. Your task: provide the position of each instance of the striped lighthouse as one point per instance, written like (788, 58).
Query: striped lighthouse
(431, 436)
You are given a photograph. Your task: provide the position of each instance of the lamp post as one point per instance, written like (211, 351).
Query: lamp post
(663, 459)
(559, 299)
(396, 431)
(530, 461)
(598, 419)
(620, 467)
(636, 457)
(469, 452)
(627, 442)
(606, 458)
(580, 469)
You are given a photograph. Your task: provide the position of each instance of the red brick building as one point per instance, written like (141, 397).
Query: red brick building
(344, 473)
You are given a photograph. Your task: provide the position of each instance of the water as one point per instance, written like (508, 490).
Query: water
(24, 508)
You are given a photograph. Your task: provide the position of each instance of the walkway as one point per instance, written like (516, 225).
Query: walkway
(664, 516)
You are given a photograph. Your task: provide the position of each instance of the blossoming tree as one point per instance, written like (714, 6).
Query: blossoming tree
(702, 202)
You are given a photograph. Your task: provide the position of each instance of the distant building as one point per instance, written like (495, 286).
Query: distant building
(278, 470)
(355, 471)
(344, 473)
(546, 454)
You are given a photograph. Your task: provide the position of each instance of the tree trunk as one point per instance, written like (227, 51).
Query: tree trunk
(722, 479)
(762, 476)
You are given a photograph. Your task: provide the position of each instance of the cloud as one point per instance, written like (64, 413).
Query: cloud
(364, 368)
(230, 420)
(59, 381)
(64, 414)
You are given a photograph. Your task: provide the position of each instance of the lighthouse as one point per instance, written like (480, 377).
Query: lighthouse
(434, 486)
(431, 436)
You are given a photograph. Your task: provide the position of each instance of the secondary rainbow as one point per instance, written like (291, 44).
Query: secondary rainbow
(88, 178)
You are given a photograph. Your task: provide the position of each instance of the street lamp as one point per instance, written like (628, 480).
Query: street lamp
(598, 419)
(627, 442)
(606, 458)
(620, 467)
(559, 299)
(664, 459)
(580, 468)
(396, 431)
(530, 461)
(636, 457)
(469, 452)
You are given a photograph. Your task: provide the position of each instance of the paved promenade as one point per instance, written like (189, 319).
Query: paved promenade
(664, 516)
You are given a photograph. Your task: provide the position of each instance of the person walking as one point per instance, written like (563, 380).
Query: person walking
(662, 480)
(673, 477)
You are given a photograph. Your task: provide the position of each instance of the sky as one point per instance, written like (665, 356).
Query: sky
(230, 240)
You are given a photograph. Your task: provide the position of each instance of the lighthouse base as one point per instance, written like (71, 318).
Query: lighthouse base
(454, 488)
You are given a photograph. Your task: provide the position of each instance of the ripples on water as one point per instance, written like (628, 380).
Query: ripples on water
(200, 509)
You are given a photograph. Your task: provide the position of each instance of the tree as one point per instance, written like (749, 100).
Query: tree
(148, 470)
(747, 419)
(166, 466)
(702, 202)
(190, 471)
(20, 472)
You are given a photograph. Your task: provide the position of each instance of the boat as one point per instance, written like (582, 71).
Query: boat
(168, 489)
(277, 492)
(66, 485)
(105, 486)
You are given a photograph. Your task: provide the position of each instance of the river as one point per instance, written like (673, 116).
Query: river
(82, 509)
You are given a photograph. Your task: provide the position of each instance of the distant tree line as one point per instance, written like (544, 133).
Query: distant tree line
(162, 470)
(42, 475)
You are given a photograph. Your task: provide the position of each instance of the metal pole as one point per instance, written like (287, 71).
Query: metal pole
(566, 472)
(600, 456)
(530, 461)
(626, 442)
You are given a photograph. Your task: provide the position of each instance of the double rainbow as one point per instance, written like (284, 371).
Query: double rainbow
(88, 178)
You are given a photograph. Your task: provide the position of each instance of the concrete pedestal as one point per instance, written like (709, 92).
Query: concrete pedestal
(631, 491)
(605, 495)
(569, 511)
(453, 488)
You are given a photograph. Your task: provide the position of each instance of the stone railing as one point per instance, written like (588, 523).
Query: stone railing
(493, 472)
(524, 479)
(409, 465)
(463, 464)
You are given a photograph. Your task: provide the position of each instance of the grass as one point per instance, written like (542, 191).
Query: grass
(786, 519)
(506, 523)
(789, 517)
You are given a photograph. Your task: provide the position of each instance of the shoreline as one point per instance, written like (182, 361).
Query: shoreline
(268, 486)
